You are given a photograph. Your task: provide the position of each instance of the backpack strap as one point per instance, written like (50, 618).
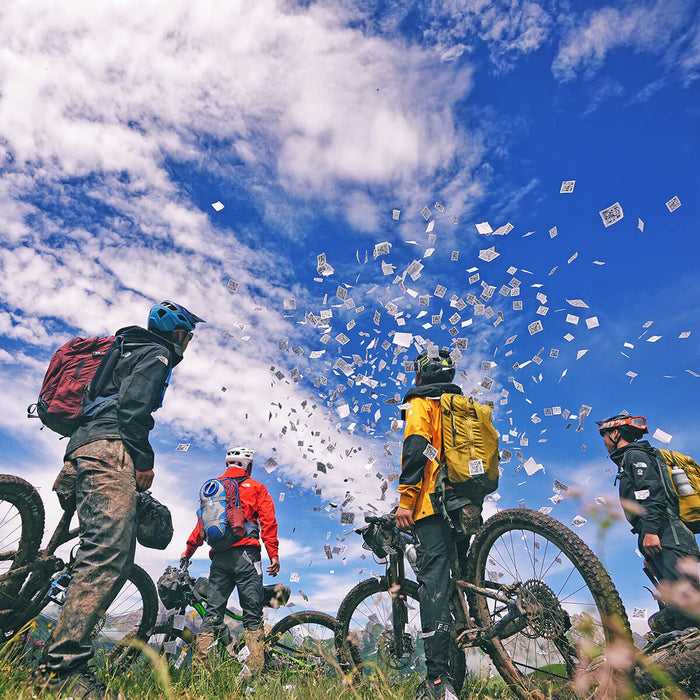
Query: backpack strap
(109, 362)
(236, 480)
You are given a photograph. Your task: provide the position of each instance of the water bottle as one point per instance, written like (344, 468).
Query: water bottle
(681, 482)
(410, 552)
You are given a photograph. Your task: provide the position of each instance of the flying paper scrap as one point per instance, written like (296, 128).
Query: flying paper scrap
(662, 436)
(531, 466)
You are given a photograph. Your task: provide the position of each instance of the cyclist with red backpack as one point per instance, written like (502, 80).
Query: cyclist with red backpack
(663, 538)
(108, 460)
(235, 555)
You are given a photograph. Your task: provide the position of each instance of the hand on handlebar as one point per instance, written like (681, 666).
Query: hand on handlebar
(404, 519)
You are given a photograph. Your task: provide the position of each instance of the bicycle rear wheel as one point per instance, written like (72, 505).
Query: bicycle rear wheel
(365, 618)
(305, 641)
(21, 529)
(569, 596)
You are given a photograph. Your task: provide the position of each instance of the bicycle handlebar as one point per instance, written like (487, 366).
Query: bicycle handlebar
(389, 519)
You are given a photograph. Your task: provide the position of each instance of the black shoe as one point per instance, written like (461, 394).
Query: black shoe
(436, 689)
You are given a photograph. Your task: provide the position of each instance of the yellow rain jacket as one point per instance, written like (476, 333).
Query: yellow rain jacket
(423, 427)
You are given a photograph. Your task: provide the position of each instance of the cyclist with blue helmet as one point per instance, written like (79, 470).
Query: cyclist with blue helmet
(108, 460)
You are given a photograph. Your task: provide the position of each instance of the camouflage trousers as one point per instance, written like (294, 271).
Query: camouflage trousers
(100, 478)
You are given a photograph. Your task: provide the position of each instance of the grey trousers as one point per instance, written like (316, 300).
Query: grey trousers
(105, 496)
(237, 567)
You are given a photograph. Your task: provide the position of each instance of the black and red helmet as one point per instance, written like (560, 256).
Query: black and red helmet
(627, 425)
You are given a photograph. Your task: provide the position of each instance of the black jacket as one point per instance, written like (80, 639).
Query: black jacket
(644, 478)
(129, 395)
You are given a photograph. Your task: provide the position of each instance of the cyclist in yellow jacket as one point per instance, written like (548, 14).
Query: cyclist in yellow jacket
(420, 509)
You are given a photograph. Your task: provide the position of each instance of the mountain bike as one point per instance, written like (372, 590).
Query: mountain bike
(528, 591)
(302, 641)
(33, 582)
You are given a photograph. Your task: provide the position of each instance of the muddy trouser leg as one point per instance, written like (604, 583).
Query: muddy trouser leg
(433, 535)
(106, 506)
(250, 587)
(663, 565)
(222, 581)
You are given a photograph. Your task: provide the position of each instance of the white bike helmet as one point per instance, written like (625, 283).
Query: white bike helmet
(240, 457)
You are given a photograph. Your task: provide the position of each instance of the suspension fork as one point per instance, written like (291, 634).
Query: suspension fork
(399, 610)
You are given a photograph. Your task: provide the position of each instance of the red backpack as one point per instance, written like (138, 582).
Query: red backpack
(72, 379)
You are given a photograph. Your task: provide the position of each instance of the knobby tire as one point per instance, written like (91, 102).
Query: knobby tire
(21, 529)
(606, 599)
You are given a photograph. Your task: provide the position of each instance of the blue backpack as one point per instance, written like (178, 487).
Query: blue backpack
(223, 522)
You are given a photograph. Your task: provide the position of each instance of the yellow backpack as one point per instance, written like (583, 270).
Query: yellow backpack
(470, 443)
(690, 504)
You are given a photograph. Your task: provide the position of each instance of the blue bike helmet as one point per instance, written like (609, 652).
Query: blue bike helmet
(169, 316)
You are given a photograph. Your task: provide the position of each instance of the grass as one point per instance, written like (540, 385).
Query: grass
(152, 679)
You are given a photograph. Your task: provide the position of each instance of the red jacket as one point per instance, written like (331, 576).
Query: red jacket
(259, 510)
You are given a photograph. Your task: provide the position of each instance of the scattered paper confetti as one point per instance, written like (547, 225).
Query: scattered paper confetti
(567, 186)
(673, 204)
(662, 436)
(611, 215)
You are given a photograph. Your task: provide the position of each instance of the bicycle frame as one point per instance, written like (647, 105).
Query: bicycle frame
(466, 632)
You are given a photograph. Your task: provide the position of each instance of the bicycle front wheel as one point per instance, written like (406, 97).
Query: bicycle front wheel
(305, 641)
(366, 619)
(21, 529)
(568, 597)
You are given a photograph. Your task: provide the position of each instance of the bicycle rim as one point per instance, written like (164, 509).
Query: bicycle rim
(21, 529)
(304, 642)
(571, 598)
(365, 618)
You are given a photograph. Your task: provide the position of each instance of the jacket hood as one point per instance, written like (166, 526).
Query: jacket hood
(430, 391)
(136, 334)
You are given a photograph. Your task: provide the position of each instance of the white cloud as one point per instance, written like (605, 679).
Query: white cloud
(296, 92)
(509, 30)
(647, 27)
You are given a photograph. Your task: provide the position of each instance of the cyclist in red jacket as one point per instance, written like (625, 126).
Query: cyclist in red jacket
(240, 565)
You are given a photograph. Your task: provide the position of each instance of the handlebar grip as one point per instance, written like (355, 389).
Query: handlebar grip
(389, 519)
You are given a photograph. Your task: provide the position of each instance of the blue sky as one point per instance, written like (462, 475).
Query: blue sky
(311, 123)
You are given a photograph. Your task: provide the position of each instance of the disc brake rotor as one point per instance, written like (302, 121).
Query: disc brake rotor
(386, 649)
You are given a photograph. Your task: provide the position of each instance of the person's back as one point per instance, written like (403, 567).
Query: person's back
(108, 459)
(420, 509)
(239, 565)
